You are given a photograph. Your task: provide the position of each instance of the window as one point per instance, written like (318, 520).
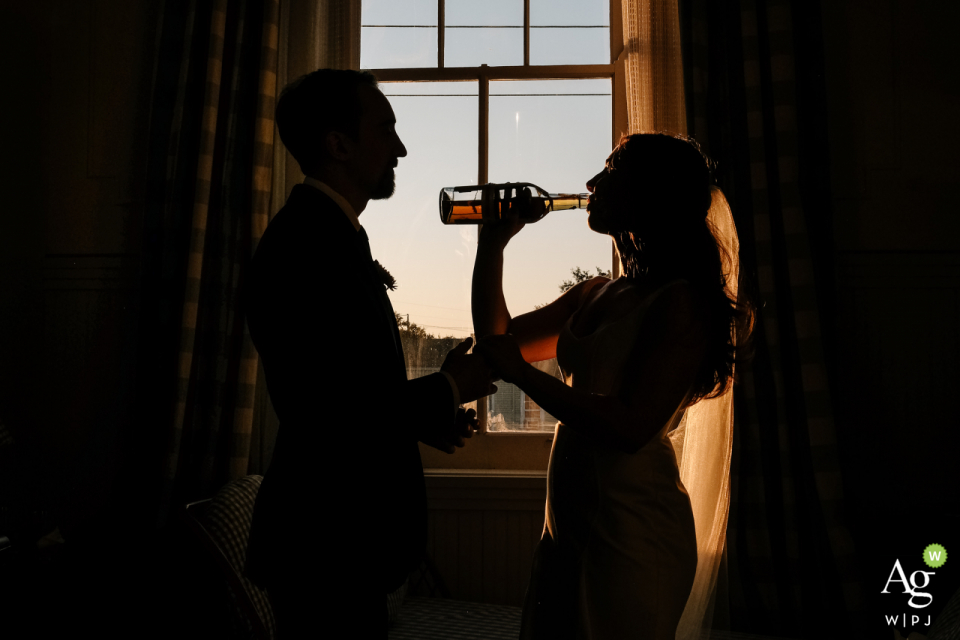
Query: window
(503, 90)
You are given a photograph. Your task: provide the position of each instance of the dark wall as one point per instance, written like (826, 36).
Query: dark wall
(76, 90)
(76, 80)
(893, 100)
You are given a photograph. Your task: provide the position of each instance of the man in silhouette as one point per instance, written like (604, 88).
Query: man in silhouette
(340, 519)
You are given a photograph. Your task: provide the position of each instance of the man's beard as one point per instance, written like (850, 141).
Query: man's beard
(385, 187)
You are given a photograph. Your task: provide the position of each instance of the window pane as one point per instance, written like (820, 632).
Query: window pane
(470, 40)
(385, 47)
(568, 12)
(557, 142)
(432, 262)
(468, 47)
(569, 46)
(549, 45)
(510, 409)
(490, 13)
(391, 12)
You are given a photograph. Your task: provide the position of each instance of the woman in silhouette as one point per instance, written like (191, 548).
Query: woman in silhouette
(619, 551)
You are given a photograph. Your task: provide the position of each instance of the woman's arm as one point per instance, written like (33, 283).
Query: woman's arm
(604, 418)
(536, 332)
(659, 373)
(490, 314)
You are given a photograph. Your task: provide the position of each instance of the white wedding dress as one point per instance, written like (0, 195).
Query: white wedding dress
(619, 550)
(632, 543)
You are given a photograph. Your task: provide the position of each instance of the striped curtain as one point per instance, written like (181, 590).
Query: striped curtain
(210, 179)
(313, 35)
(790, 558)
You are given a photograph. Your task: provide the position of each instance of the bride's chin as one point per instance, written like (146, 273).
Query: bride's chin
(595, 224)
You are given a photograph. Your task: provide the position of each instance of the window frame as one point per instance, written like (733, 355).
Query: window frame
(514, 450)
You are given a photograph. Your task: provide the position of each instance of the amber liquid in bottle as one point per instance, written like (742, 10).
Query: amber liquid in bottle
(471, 209)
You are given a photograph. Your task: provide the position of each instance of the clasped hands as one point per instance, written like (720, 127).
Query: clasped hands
(494, 358)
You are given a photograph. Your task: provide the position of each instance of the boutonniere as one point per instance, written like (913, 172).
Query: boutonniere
(388, 280)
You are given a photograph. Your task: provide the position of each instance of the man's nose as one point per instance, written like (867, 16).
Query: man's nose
(402, 151)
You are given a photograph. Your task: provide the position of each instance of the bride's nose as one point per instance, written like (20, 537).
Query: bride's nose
(592, 182)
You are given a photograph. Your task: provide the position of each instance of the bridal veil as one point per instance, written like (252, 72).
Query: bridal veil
(703, 443)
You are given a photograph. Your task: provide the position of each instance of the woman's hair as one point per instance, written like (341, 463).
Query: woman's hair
(665, 185)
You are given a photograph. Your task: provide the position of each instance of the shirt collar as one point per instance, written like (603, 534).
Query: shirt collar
(336, 197)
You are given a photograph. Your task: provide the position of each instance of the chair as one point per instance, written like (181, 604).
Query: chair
(947, 624)
(425, 580)
(222, 525)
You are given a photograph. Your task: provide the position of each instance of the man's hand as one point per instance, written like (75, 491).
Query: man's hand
(464, 425)
(503, 354)
(473, 377)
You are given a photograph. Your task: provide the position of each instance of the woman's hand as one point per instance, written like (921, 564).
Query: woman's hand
(500, 232)
(502, 354)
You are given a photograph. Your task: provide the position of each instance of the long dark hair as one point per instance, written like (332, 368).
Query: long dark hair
(669, 237)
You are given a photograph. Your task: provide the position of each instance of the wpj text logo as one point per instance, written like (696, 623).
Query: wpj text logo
(934, 556)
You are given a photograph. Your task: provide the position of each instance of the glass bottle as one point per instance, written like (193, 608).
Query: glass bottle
(475, 204)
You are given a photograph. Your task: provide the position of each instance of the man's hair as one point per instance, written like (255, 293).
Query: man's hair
(313, 105)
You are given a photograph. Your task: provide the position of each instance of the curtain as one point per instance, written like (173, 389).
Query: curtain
(790, 557)
(209, 180)
(314, 35)
(653, 65)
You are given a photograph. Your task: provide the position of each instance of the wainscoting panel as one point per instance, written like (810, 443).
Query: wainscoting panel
(483, 529)
(90, 306)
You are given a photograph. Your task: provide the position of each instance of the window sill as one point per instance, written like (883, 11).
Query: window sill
(485, 489)
(493, 452)
(482, 475)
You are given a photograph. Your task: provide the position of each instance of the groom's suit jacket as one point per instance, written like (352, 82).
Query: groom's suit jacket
(344, 494)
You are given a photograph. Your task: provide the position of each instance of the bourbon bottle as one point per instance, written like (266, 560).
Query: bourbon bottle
(481, 204)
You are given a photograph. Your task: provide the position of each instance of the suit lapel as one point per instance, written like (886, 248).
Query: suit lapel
(383, 299)
(368, 278)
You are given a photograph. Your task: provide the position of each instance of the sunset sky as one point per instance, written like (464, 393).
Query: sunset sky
(555, 141)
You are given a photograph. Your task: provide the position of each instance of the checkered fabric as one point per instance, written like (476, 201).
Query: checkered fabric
(947, 624)
(395, 601)
(791, 557)
(227, 520)
(443, 619)
(209, 184)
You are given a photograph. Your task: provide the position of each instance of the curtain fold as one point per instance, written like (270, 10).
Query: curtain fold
(209, 180)
(315, 35)
(653, 65)
(791, 560)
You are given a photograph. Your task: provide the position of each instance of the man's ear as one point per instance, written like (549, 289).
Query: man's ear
(338, 145)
